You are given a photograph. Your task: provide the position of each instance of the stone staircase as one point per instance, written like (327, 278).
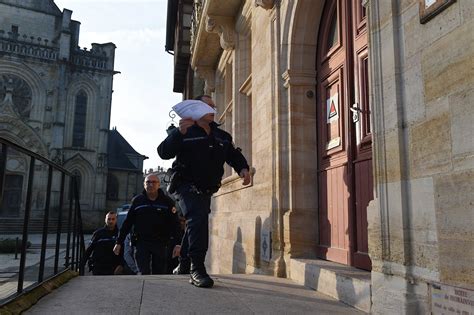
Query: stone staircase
(15, 226)
(347, 284)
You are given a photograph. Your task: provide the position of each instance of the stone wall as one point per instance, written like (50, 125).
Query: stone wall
(421, 79)
(241, 214)
(422, 97)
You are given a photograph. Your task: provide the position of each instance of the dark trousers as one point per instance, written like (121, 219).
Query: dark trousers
(195, 208)
(103, 270)
(153, 252)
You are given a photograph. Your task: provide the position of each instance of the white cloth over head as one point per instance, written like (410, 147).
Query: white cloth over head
(193, 109)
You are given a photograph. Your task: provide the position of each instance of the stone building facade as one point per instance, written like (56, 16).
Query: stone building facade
(357, 119)
(125, 171)
(55, 99)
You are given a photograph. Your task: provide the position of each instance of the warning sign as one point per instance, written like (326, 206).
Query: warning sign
(332, 108)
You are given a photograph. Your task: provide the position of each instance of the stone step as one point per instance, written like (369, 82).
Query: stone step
(15, 226)
(347, 284)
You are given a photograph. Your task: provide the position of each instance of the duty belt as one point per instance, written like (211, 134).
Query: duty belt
(194, 189)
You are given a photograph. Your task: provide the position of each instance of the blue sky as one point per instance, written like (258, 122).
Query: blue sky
(143, 92)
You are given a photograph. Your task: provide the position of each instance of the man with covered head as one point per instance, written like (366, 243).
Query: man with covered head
(201, 148)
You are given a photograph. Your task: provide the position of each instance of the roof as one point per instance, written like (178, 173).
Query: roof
(178, 39)
(44, 6)
(119, 151)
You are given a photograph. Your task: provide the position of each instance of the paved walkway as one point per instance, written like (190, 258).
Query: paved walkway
(8, 263)
(231, 294)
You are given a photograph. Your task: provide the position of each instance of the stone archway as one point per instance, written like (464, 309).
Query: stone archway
(299, 31)
(16, 131)
(79, 164)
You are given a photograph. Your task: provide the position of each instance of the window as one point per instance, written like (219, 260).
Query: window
(21, 93)
(226, 109)
(79, 129)
(333, 36)
(112, 187)
(15, 29)
(243, 107)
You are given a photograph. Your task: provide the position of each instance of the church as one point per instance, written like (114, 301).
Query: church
(55, 99)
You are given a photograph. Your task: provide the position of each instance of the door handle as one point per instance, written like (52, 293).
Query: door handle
(355, 112)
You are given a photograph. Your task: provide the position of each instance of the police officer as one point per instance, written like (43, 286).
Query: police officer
(155, 223)
(201, 149)
(103, 260)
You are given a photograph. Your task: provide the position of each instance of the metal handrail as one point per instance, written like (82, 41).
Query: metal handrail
(74, 227)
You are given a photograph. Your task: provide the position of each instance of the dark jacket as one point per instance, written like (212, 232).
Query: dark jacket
(152, 220)
(200, 157)
(101, 247)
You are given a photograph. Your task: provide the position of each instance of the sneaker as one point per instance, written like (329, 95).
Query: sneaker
(181, 269)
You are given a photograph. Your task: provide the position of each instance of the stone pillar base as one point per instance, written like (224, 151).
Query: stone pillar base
(397, 295)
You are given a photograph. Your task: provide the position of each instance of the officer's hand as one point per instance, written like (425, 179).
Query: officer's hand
(118, 270)
(117, 249)
(184, 124)
(176, 251)
(245, 175)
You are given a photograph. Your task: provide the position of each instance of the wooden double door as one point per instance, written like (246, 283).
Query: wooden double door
(345, 183)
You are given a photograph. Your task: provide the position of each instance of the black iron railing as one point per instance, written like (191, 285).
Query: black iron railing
(67, 222)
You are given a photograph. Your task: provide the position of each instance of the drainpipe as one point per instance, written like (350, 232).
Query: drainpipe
(280, 261)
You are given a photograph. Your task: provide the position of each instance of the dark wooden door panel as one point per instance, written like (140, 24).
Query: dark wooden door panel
(361, 138)
(344, 134)
(333, 178)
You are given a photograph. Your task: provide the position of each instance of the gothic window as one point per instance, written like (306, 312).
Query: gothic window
(112, 187)
(21, 93)
(79, 128)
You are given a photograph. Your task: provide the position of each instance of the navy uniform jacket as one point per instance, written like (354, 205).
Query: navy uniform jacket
(153, 220)
(101, 247)
(200, 157)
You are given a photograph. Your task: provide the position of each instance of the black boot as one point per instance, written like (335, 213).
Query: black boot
(199, 276)
(183, 267)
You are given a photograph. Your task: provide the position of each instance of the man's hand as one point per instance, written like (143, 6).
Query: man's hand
(176, 251)
(118, 270)
(245, 175)
(184, 124)
(117, 249)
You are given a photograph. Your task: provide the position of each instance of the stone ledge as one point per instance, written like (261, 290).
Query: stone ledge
(24, 301)
(347, 284)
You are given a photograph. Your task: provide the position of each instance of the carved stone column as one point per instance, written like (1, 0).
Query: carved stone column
(224, 27)
(209, 76)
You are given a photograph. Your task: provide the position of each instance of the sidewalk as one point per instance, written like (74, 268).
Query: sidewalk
(9, 266)
(8, 263)
(169, 294)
